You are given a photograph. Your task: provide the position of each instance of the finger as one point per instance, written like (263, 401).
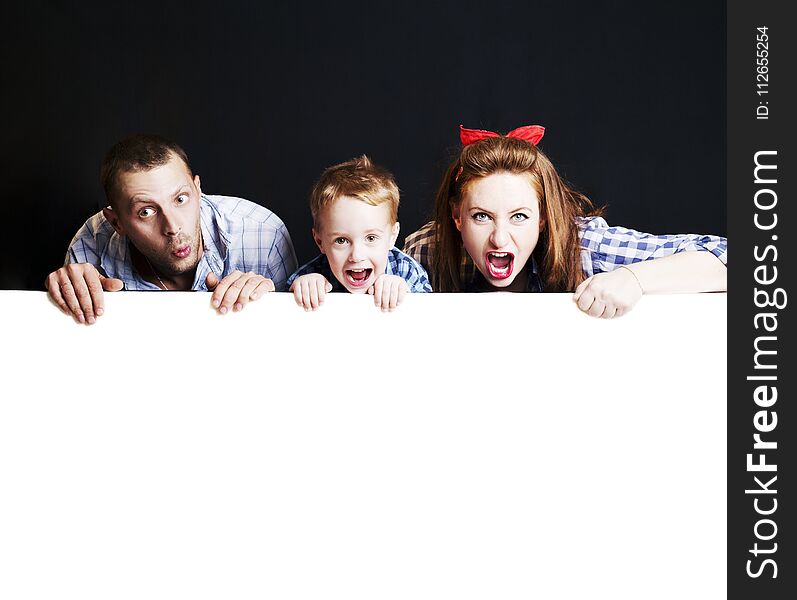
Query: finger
(299, 293)
(378, 285)
(54, 291)
(387, 296)
(384, 302)
(220, 291)
(220, 287)
(211, 281)
(80, 287)
(95, 291)
(321, 286)
(585, 300)
(581, 287)
(394, 296)
(597, 308)
(233, 292)
(313, 291)
(306, 295)
(296, 288)
(403, 291)
(609, 313)
(111, 284)
(68, 292)
(246, 291)
(266, 286)
(370, 290)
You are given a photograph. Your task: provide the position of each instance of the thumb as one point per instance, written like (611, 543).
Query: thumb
(329, 287)
(580, 289)
(110, 284)
(211, 281)
(371, 290)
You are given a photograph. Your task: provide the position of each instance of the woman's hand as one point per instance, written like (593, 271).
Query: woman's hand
(609, 295)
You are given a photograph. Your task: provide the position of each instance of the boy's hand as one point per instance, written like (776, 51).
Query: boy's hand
(609, 295)
(388, 291)
(309, 290)
(236, 290)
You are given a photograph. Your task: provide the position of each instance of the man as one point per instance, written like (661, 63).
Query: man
(160, 232)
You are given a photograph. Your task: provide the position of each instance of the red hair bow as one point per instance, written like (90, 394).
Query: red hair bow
(531, 133)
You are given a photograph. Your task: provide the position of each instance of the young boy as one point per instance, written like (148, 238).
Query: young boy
(355, 224)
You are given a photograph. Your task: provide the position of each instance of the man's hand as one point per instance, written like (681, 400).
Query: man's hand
(77, 290)
(609, 295)
(388, 291)
(236, 290)
(309, 290)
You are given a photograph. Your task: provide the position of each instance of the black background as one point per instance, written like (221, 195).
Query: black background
(264, 96)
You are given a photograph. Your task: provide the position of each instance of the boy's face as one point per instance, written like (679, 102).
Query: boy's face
(356, 238)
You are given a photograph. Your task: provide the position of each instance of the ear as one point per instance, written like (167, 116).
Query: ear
(318, 241)
(111, 216)
(197, 184)
(394, 234)
(457, 216)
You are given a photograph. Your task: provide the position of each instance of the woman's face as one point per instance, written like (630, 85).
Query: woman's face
(499, 219)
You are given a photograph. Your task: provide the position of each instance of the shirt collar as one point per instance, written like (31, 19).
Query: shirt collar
(215, 241)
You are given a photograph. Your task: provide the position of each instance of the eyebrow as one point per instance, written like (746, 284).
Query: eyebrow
(347, 233)
(138, 200)
(489, 212)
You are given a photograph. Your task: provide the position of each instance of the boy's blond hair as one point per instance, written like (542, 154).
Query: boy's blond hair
(356, 178)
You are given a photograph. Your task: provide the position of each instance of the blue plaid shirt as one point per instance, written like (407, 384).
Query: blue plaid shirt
(236, 234)
(603, 249)
(398, 263)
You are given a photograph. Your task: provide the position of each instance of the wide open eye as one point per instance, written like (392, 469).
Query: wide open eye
(480, 217)
(340, 241)
(145, 212)
(371, 238)
(182, 199)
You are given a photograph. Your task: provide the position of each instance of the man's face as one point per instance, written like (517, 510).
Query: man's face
(158, 211)
(356, 238)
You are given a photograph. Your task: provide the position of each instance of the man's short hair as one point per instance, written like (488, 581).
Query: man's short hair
(139, 152)
(357, 178)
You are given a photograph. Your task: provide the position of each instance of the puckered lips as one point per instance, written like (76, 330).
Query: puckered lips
(358, 277)
(182, 251)
(500, 264)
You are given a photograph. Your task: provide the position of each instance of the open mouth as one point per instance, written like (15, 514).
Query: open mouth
(500, 264)
(358, 277)
(182, 252)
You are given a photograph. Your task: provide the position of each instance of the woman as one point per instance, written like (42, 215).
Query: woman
(523, 229)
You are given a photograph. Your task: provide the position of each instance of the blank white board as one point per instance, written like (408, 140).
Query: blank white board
(464, 446)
